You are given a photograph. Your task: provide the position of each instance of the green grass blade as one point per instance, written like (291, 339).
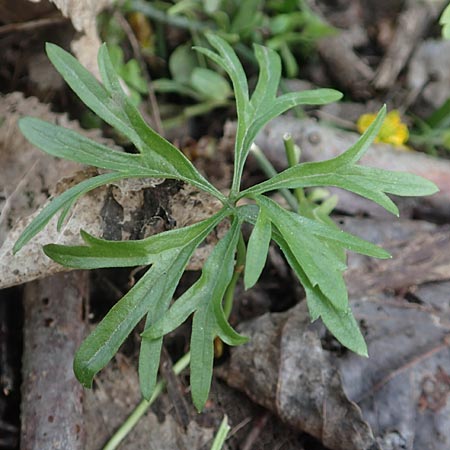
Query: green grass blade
(221, 435)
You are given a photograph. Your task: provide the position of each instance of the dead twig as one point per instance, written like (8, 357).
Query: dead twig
(31, 25)
(156, 117)
(51, 409)
(411, 25)
(252, 437)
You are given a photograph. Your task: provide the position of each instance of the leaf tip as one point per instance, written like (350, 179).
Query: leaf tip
(199, 404)
(82, 372)
(363, 352)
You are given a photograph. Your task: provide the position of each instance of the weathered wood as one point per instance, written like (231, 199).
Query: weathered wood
(345, 66)
(411, 25)
(51, 408)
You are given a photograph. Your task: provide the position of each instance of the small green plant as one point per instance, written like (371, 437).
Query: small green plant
(314, 247)
(433, 133)
(288, 27)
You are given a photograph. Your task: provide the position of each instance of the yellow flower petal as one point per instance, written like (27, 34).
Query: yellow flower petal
(393, 131)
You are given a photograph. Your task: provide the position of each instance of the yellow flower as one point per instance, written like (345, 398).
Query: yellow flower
(393, 130)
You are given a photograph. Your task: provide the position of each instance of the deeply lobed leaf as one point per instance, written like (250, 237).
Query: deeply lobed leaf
(100, 253)
(152, 292)
(313, 246)
(264, 104)
(111, 104)
(342, 172)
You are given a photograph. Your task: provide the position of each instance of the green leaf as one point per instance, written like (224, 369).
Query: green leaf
(63, 143)
(264, 106)
(132, 75)
(257, 249)
(67, 198)
(182, 62)
(113, 106)
(293, 99)
(100, 253)
(170, 86)
(268, 79)
(103, 343)
(227, 59)
(211, 287)
(445, 16)
(342, 172)
(333, 234)
(320, 263)
(202, 340)
(224, 330)
(150, 350)
(216, 275)
(397, 183)
(357, 150)
(90, 91)
(210, 84)
(340, 323)
(153, 292)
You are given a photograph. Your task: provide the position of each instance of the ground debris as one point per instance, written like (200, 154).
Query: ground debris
(298, 371)
(125, 210)
(51, 408)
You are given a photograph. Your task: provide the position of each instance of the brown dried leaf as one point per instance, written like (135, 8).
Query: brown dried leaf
(285, 369)
(83, 14)
(300, 372)
(126, 210)
(420, 254)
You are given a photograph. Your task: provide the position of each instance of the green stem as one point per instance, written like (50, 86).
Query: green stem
(221, 435)
(269, 170)
(238, 268)
(143, 406)
(177, 21)
(293, 157)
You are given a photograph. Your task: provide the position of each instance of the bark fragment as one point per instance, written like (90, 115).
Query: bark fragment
(51, 410)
